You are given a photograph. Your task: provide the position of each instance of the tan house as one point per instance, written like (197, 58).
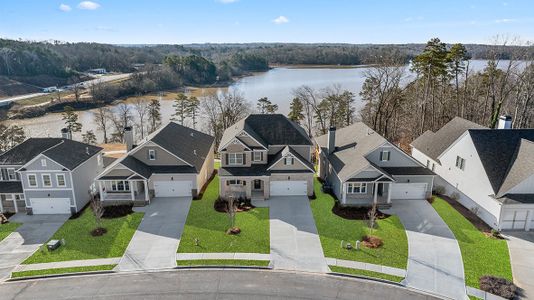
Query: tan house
(174, 161)
(265, 155)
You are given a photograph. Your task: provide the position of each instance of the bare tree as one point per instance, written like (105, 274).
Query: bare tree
(142, 109)
(311, 100)
(101, 117)
(98, 211)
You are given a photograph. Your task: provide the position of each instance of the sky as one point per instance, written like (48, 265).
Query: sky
(241, 21)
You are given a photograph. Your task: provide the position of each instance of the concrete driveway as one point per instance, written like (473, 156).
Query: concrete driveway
(521, 247)
(156, 240)
(434, 257)
(295, 243)
(23, 242)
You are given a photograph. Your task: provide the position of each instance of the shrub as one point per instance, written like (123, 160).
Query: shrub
(439, 190)
(498, 286)
(455, 196)
(371, 241)
(117, 211)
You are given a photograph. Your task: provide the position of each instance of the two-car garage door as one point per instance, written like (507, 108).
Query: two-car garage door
(408, 191)
(47, 206)
(289, 188)
(172, 188)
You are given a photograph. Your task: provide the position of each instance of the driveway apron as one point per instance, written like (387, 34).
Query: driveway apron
(521, 245)
(295, 243)
(156, 240)
(23, 242)
(434, 257)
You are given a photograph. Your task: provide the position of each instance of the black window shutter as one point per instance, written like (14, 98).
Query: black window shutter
(244, 159)
(226, 159)
(261, 155)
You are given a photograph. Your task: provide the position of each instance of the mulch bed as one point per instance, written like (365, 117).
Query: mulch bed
(222, 206)
(469, 215)
(117, 211)
(233, 231)
(498, 286)
(356, 213)
(99, 231)
(371, 241)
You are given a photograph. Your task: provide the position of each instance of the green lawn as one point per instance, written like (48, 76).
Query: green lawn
(209, 226)
(223, 262)
(81, 245)
(62, 271)
(482, 255)
(333, 229)
(7, 229)
(365, 273)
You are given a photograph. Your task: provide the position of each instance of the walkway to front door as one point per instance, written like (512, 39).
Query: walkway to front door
(156, 240)
(434, 257)
(295, 243)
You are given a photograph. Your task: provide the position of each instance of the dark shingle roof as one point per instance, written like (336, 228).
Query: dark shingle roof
(433, 144)
(502, 152)
(253, 170)
(273, 159)
(137, 166)
(517, 199)
(408, 171)
(68, 153)
(188, 144)
(10, 187)
(268, 129)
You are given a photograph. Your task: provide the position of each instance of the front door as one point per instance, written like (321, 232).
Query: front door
(257, 184)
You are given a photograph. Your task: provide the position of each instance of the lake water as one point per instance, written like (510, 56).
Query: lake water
(277, 84)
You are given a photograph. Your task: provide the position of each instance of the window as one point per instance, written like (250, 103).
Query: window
(11, 174)
(460, 163)
(3, 174)
(384, 155)
(32, 180)
(288, 161)
(235, 158)
(47, 180)
(61, 180)
(356, 188)
(152, 154)
(236, 182)
(43, 162)
(120, 186)
(257, 156)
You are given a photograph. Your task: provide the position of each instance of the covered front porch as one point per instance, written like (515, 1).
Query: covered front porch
(365, 193)
(255, 188)
(115, 191)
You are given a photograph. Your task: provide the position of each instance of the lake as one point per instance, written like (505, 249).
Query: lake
(277, 84)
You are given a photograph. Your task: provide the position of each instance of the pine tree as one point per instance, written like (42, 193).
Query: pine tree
(181, 108)
(71, 120)
(192, 110)
(296, 110)
(154, 114)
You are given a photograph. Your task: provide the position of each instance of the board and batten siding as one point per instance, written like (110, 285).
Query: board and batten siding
(83, 178)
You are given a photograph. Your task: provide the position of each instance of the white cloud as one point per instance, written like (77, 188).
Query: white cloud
(226, 1)
(88, 5)
(280, 20)
(64, 7)
(505, 21)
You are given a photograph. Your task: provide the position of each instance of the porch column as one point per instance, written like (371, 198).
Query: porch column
(145, 183)
(131, 189)
(15, 203)
(389, 193)
(101, 190)
(1, 207)
(529, 219)
(375, 192)
(344, 196)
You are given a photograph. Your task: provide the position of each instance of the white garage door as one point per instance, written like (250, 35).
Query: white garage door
(514, 219)
(172, 188)
(47, 206)
(408, 191)
(289, 188)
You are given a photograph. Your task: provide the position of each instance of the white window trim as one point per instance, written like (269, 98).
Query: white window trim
(237, 157)
(351, 187)
(382, 155)
(64, 180)
(460, 162)
(125, 184)
(254, 153)
(292, 160)
(43, 180)
(236, 182)
(9, 175)
(30, 182)
(151, 154)
(43, 162)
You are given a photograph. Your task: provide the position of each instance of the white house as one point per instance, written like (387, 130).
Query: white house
(489, 171)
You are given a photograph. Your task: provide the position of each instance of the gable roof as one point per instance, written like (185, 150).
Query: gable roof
(68, 153)
(506, 155)
(188, 144)
(352, 144)
(288, 150)
(268, 129)
(433, 144)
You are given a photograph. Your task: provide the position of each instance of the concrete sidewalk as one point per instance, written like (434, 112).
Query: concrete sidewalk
(156, 240)
(434, 258)
(68, 264)
(236, 256)
(23, 242)
(366, 266)
(521, 246)
(295, 243)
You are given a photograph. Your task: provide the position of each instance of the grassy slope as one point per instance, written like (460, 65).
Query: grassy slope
(62, 271)
(333, 229)
(365, 273)
(223, 262)
(210, 226)
(7, 229)
(81, 245)
(481, 255)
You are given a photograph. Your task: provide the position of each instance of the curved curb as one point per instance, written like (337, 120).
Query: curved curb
(72, 274)
(222, 267)
(366, 277)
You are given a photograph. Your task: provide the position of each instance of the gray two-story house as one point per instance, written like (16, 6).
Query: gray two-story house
(174, 161)
(265, 155)
(48, 176)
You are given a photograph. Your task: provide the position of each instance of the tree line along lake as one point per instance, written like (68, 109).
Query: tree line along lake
(277, 84)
